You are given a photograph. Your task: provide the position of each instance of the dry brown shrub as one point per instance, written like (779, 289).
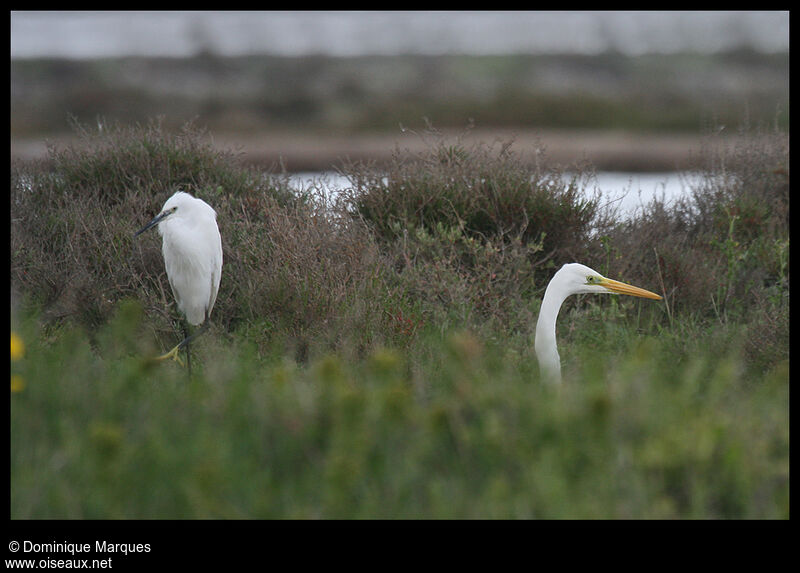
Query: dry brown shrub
(717, 246)
(487, 191)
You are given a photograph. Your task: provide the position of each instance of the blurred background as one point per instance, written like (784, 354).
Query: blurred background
(629, 91)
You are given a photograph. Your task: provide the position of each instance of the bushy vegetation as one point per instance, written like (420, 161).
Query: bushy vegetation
(371, 355)
(462, 432)
(722, 251)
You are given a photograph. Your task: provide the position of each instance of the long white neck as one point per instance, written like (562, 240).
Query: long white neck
(545, 344)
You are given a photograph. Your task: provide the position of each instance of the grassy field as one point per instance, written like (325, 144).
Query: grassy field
(373, 357)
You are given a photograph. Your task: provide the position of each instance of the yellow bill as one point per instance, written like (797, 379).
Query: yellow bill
(622, 288)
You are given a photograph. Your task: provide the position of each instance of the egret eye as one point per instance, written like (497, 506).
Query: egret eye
(590, 279)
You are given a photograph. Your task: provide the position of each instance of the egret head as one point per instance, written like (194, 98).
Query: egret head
(572, 278)
(180, 205)
(576, 278)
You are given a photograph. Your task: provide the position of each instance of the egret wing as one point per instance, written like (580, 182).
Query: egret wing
(216, 275)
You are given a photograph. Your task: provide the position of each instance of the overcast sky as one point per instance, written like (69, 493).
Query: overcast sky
(107, 34)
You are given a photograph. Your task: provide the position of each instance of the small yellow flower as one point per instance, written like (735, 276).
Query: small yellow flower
(17, 347)
(17, 383)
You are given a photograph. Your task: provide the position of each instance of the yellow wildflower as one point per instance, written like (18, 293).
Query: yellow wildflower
(17, 347)
(17, 383)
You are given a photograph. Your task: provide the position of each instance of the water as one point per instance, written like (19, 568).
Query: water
(351, 33)
(632, 190)
(627, 191)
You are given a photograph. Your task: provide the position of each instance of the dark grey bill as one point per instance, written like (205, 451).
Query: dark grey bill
(153, 223)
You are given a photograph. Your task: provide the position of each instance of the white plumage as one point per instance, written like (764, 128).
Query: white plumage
(572, 278)
(192, 249)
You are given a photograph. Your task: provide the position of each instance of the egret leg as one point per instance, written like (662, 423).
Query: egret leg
(172, 354)
(186, 340)
(198, 332)
(185, 343)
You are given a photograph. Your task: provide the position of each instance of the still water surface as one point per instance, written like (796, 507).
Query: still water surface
(627, 191)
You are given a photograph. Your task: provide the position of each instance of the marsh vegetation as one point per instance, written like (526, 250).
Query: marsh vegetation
(373, 356)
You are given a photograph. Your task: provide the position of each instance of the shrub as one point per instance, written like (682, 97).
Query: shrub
(484, 191)
(720, 252)
(727, 238)
(74, 215)
(459, 236)
(472, 231)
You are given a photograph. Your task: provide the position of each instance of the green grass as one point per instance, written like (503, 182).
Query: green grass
(452, 427)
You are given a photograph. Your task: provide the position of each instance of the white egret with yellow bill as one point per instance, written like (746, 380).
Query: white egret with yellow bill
(572, 278)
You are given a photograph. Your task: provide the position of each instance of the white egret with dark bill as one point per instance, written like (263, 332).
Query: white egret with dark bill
(192, 249)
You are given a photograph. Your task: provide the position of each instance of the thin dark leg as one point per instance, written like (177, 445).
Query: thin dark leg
(197, 333)
(185, 343)
(187, 339)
